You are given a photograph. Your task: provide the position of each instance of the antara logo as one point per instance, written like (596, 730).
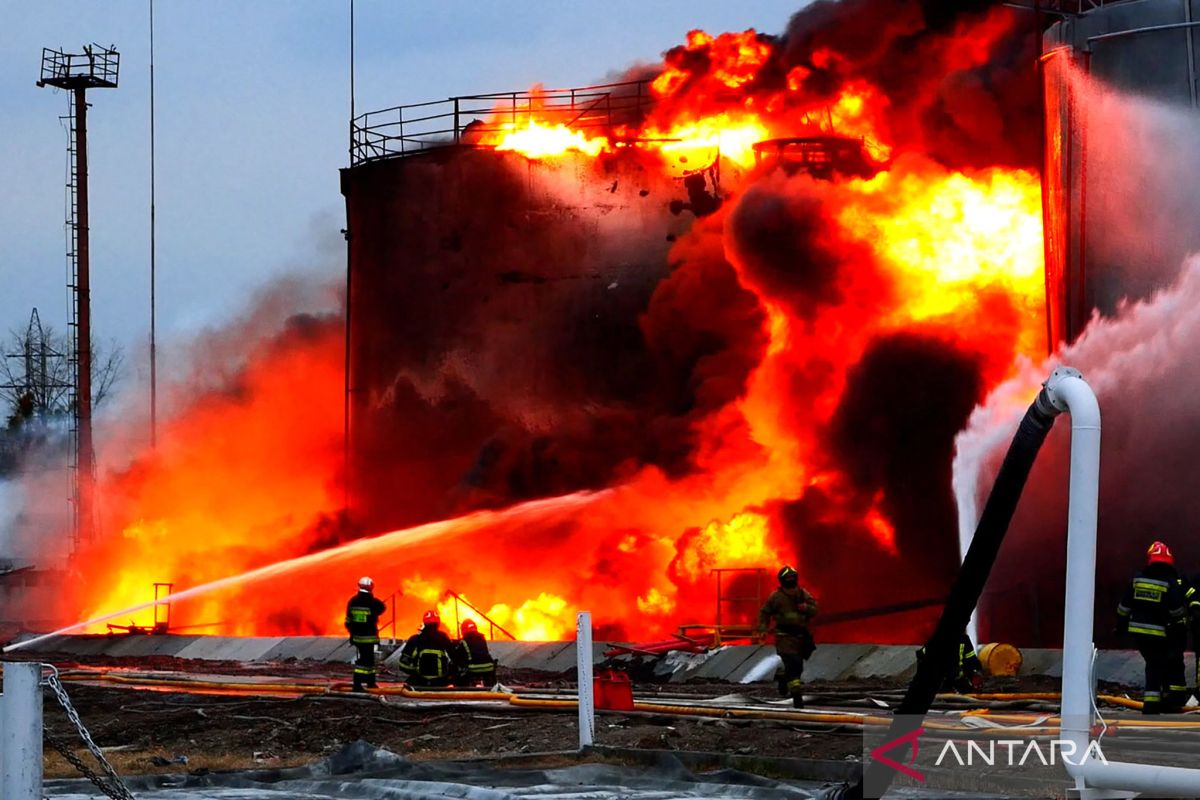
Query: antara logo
(910, 738)
(991, 753)
(1017, 753)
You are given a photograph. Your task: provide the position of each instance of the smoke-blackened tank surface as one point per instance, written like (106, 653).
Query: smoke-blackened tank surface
(495, 320)
(1121, 193)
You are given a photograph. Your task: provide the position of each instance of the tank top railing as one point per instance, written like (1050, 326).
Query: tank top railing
(475, 120)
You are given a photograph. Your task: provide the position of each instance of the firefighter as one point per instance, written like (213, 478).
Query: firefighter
(362, 623)
(1191, 596)
(426, 655)
(792, 608)
(1154, 613)
(472, 659)
(968, 674)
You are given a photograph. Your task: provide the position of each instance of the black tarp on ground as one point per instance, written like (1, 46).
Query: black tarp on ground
(362, 772)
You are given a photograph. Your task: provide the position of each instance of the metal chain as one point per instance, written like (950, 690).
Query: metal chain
(65, 751)
(117, 791)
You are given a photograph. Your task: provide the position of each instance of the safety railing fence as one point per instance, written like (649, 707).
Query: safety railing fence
(390, 625)
(492, 624)
(96, 66)
(474, 119)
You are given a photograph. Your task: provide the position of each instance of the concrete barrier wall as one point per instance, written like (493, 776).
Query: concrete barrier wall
(738, 664)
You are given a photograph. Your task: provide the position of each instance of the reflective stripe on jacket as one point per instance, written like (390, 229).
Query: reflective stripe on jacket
(1154, 603)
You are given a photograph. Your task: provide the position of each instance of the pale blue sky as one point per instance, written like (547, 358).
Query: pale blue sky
(252, 108)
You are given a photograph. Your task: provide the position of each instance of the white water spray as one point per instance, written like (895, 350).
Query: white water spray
(524, 512)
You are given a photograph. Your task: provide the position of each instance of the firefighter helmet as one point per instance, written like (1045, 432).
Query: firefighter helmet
(431, 618)
(788, 577)
(1159, 553)
(469, 626)
(366, 584)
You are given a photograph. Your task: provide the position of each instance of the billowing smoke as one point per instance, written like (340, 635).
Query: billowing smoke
(1143, 187)
(1137, 363)
(971, 105)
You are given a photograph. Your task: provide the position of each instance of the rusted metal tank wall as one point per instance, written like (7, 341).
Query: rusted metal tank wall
(1147, 49)
(479, 279)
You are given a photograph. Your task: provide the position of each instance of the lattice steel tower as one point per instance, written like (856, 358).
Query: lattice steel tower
(95, 68)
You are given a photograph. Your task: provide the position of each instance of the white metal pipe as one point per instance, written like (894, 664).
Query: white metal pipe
(21, 737)
(1069, 392)
(583, 664)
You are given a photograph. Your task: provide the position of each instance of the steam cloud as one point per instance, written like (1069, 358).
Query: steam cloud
(1135, 353)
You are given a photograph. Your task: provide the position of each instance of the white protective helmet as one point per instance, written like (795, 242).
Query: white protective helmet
(366, 584)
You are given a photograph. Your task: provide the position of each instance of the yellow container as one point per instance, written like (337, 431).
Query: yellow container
(1000, 659)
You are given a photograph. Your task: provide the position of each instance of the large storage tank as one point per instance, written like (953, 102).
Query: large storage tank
(479, 281)
(1120, 206)
(1097, 160)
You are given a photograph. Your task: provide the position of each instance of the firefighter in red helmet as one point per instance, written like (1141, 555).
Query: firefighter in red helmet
(792, 608)
(362, 623)
(471, 657)
(1154, 614)
(426, 654)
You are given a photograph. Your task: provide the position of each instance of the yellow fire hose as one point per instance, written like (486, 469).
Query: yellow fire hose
(1048, 725)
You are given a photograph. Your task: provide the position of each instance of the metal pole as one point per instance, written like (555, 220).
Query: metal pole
(83, 378)
(21, 736)
(1191, 50)
(583, 663)
(153, 254)
(346, 467)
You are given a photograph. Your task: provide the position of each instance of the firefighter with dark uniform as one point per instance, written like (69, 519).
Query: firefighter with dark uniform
(362, 623)
(1154, 613)
(1191, 595)
(426, 654)
(472, 658)
(792, 608)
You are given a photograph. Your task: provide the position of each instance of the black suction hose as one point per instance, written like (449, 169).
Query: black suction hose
(942, 649)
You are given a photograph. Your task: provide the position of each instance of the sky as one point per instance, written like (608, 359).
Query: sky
(252, 108)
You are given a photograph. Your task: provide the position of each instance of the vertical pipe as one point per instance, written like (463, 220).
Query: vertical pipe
(153, 253)
(1191, 49)
(83, 363)
(583, 664)
(21, 738)
(1045, 179)
(1068, 391)
(1073, 395)
(347, 376)
(346, 366)
(1080, 117)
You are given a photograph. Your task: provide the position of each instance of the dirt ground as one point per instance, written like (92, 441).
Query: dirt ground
(141, 729)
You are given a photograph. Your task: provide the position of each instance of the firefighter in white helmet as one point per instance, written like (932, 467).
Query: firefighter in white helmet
(362, 623)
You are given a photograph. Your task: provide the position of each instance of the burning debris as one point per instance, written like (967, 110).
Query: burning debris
(747, 381)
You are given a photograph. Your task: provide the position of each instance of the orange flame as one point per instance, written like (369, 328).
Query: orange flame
(240, 477)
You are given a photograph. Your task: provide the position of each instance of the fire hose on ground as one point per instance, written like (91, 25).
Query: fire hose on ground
(987, 705)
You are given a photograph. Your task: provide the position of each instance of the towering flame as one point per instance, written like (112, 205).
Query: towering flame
(823, 333)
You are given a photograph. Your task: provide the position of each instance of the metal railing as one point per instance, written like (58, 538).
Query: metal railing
(95, 67)
(472, 120)
(458, 598)
(390, 602)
